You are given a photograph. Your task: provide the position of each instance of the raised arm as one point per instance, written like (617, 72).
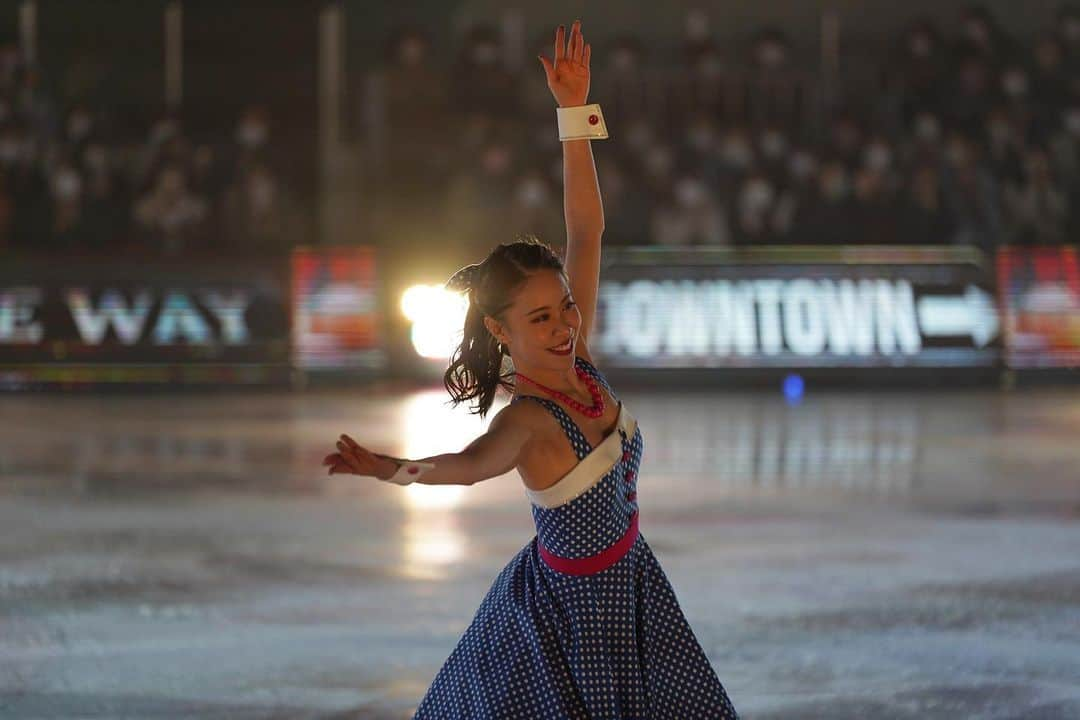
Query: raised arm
(568, 79)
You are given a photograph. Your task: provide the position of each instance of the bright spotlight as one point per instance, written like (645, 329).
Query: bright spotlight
(437, 316)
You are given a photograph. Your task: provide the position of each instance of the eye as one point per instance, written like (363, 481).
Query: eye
(543, 316)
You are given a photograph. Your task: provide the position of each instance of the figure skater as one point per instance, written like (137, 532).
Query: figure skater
(582, 622)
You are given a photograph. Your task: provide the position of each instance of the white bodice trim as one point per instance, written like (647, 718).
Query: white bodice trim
(590, 469)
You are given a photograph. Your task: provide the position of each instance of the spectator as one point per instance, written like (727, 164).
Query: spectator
(152, 154)
(252, 142)
(826, 219)
(799, 187)
(772, 149)
(971, 96)
(1037, 207)
(699, 149)
(478, 201)
(640, 135)
(1065, 145)
(1067, 26)
(31, 223)
(170, 215)
(924, 144)
(690, 216)
(66, 189)
(260, 214)
(774, 93)
(80, 126)
(874, 216)
(1049, 84)
(982, 37)
(845, 139)
(411, 114)
(756, 211)
(922, 69)
(971, 196)
(535, 207)
(480, 80)
(923, 217)
(1015, 98)
(703, 88)
(737, 156)
(104, 199)
(1004, 145)
(659, 169)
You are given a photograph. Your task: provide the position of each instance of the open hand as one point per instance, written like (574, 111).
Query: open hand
(568, 76)
(354, 459)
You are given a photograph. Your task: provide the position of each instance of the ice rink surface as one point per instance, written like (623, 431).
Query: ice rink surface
(858, 555)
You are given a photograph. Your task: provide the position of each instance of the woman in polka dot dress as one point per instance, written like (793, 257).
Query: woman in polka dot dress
(582, 622)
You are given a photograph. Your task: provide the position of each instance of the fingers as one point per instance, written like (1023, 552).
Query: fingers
(336, 464)
(574, 48)
(349, 456)
(344, 460)
(549, 69)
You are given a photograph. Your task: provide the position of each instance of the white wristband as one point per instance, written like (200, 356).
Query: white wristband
(408, 470)
(581, 122)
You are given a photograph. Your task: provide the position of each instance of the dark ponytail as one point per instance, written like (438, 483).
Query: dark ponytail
(476, 365)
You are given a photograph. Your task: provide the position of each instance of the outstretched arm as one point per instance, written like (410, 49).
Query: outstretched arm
(490, 455)
(568, 79)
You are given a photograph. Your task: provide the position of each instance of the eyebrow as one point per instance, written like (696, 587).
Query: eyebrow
(545, 307)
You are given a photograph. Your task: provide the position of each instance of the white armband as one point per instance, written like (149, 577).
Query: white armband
(408, 470)
(581, 122)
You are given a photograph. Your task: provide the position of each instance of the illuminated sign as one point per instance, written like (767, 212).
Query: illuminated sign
(335, 309)
(160, 318)
(1040, 298)
(796, 314)
(127, 312)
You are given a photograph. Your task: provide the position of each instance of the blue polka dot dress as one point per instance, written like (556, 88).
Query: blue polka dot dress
(582, 623)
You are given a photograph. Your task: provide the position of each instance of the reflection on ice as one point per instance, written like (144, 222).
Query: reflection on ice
(432, 537)
(766, 445)
(963, 446)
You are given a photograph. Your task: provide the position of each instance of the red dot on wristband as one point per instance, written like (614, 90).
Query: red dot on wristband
(413, 470)
(593, 119)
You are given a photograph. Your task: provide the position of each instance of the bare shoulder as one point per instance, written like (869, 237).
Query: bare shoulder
(527, 414)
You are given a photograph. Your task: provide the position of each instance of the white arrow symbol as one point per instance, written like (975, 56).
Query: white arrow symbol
(972, 313)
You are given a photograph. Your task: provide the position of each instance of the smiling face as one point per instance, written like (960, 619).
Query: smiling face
(542, 316)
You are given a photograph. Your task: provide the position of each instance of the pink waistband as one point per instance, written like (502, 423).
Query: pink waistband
(594, 563)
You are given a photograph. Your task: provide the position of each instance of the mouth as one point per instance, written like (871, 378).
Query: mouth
(563, 349)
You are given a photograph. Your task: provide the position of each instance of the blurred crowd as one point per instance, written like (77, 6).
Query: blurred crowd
(74, 175)
(953, 135)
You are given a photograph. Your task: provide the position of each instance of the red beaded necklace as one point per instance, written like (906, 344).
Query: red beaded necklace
(597, 408)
